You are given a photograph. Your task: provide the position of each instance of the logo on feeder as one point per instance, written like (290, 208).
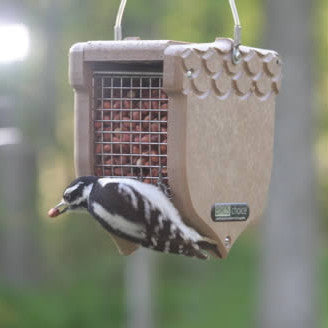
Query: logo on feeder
(229, 212)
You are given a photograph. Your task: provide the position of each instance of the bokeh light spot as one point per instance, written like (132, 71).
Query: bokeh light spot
(14, 42)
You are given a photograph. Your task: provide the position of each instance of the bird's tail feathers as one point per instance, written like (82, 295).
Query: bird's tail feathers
(195, 251)
(209, 244)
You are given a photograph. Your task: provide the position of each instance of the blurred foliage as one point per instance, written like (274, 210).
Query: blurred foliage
(83, 285)
(321, 42)
(188, 293)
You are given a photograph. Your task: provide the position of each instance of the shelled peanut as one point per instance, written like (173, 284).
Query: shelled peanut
(131, 134)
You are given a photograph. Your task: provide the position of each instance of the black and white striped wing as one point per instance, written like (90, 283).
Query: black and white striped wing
(118, 211)
(142, 213)
(165, 236)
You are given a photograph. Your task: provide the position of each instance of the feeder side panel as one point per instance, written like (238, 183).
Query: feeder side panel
(224, 152)
(237, 151)
(80, 80)
(230, 129)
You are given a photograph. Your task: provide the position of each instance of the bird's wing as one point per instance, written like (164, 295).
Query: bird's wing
(131, 214)
(120, 212)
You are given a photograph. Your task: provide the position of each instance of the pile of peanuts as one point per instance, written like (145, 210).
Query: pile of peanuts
(131, 134)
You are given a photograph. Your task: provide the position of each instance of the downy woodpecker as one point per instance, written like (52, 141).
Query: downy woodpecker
(135, 211)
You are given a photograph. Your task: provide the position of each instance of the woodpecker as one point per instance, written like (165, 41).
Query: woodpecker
(135, 211)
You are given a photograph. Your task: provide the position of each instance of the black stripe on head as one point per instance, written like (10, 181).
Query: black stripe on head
(71, 196)
(71, 193)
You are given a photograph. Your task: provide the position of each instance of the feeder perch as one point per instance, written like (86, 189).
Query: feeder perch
(201, 115)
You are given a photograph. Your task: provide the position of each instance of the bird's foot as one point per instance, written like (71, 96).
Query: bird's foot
(161, 185)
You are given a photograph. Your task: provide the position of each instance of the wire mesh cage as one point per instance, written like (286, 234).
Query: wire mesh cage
(198, 118)
(130, 125)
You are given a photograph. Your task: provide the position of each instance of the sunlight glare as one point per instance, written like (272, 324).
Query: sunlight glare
(14, 42)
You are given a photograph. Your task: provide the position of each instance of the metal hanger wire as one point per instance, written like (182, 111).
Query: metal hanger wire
(118, 23)
(236, 55)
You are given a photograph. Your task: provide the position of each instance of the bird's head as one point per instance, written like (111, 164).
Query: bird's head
(75, 196)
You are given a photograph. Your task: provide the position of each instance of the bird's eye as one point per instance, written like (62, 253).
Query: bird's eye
(68, 197)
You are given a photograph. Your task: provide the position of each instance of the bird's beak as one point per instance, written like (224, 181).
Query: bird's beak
(63, 205)
(60, 208)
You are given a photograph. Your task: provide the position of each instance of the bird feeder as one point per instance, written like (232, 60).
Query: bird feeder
(200, 116)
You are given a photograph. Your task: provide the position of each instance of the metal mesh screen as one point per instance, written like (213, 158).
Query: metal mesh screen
(130, 125)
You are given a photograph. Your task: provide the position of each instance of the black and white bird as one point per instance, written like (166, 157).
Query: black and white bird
(137, 212)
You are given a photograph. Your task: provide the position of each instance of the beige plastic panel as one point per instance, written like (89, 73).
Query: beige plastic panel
(220, 131)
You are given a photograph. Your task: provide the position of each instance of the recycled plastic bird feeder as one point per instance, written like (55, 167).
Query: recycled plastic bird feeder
(199, 115)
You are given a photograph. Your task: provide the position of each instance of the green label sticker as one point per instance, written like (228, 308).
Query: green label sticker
(230, 212)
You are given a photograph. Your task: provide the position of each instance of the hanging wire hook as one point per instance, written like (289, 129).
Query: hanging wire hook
(236, 55)
(118, 23)
(234, 12)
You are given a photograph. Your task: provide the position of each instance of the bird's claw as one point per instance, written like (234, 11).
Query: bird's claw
(161, 185)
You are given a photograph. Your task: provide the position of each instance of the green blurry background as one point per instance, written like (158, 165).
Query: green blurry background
(78, 278)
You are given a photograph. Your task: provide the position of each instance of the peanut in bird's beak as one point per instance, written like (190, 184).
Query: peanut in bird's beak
(56, 211)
